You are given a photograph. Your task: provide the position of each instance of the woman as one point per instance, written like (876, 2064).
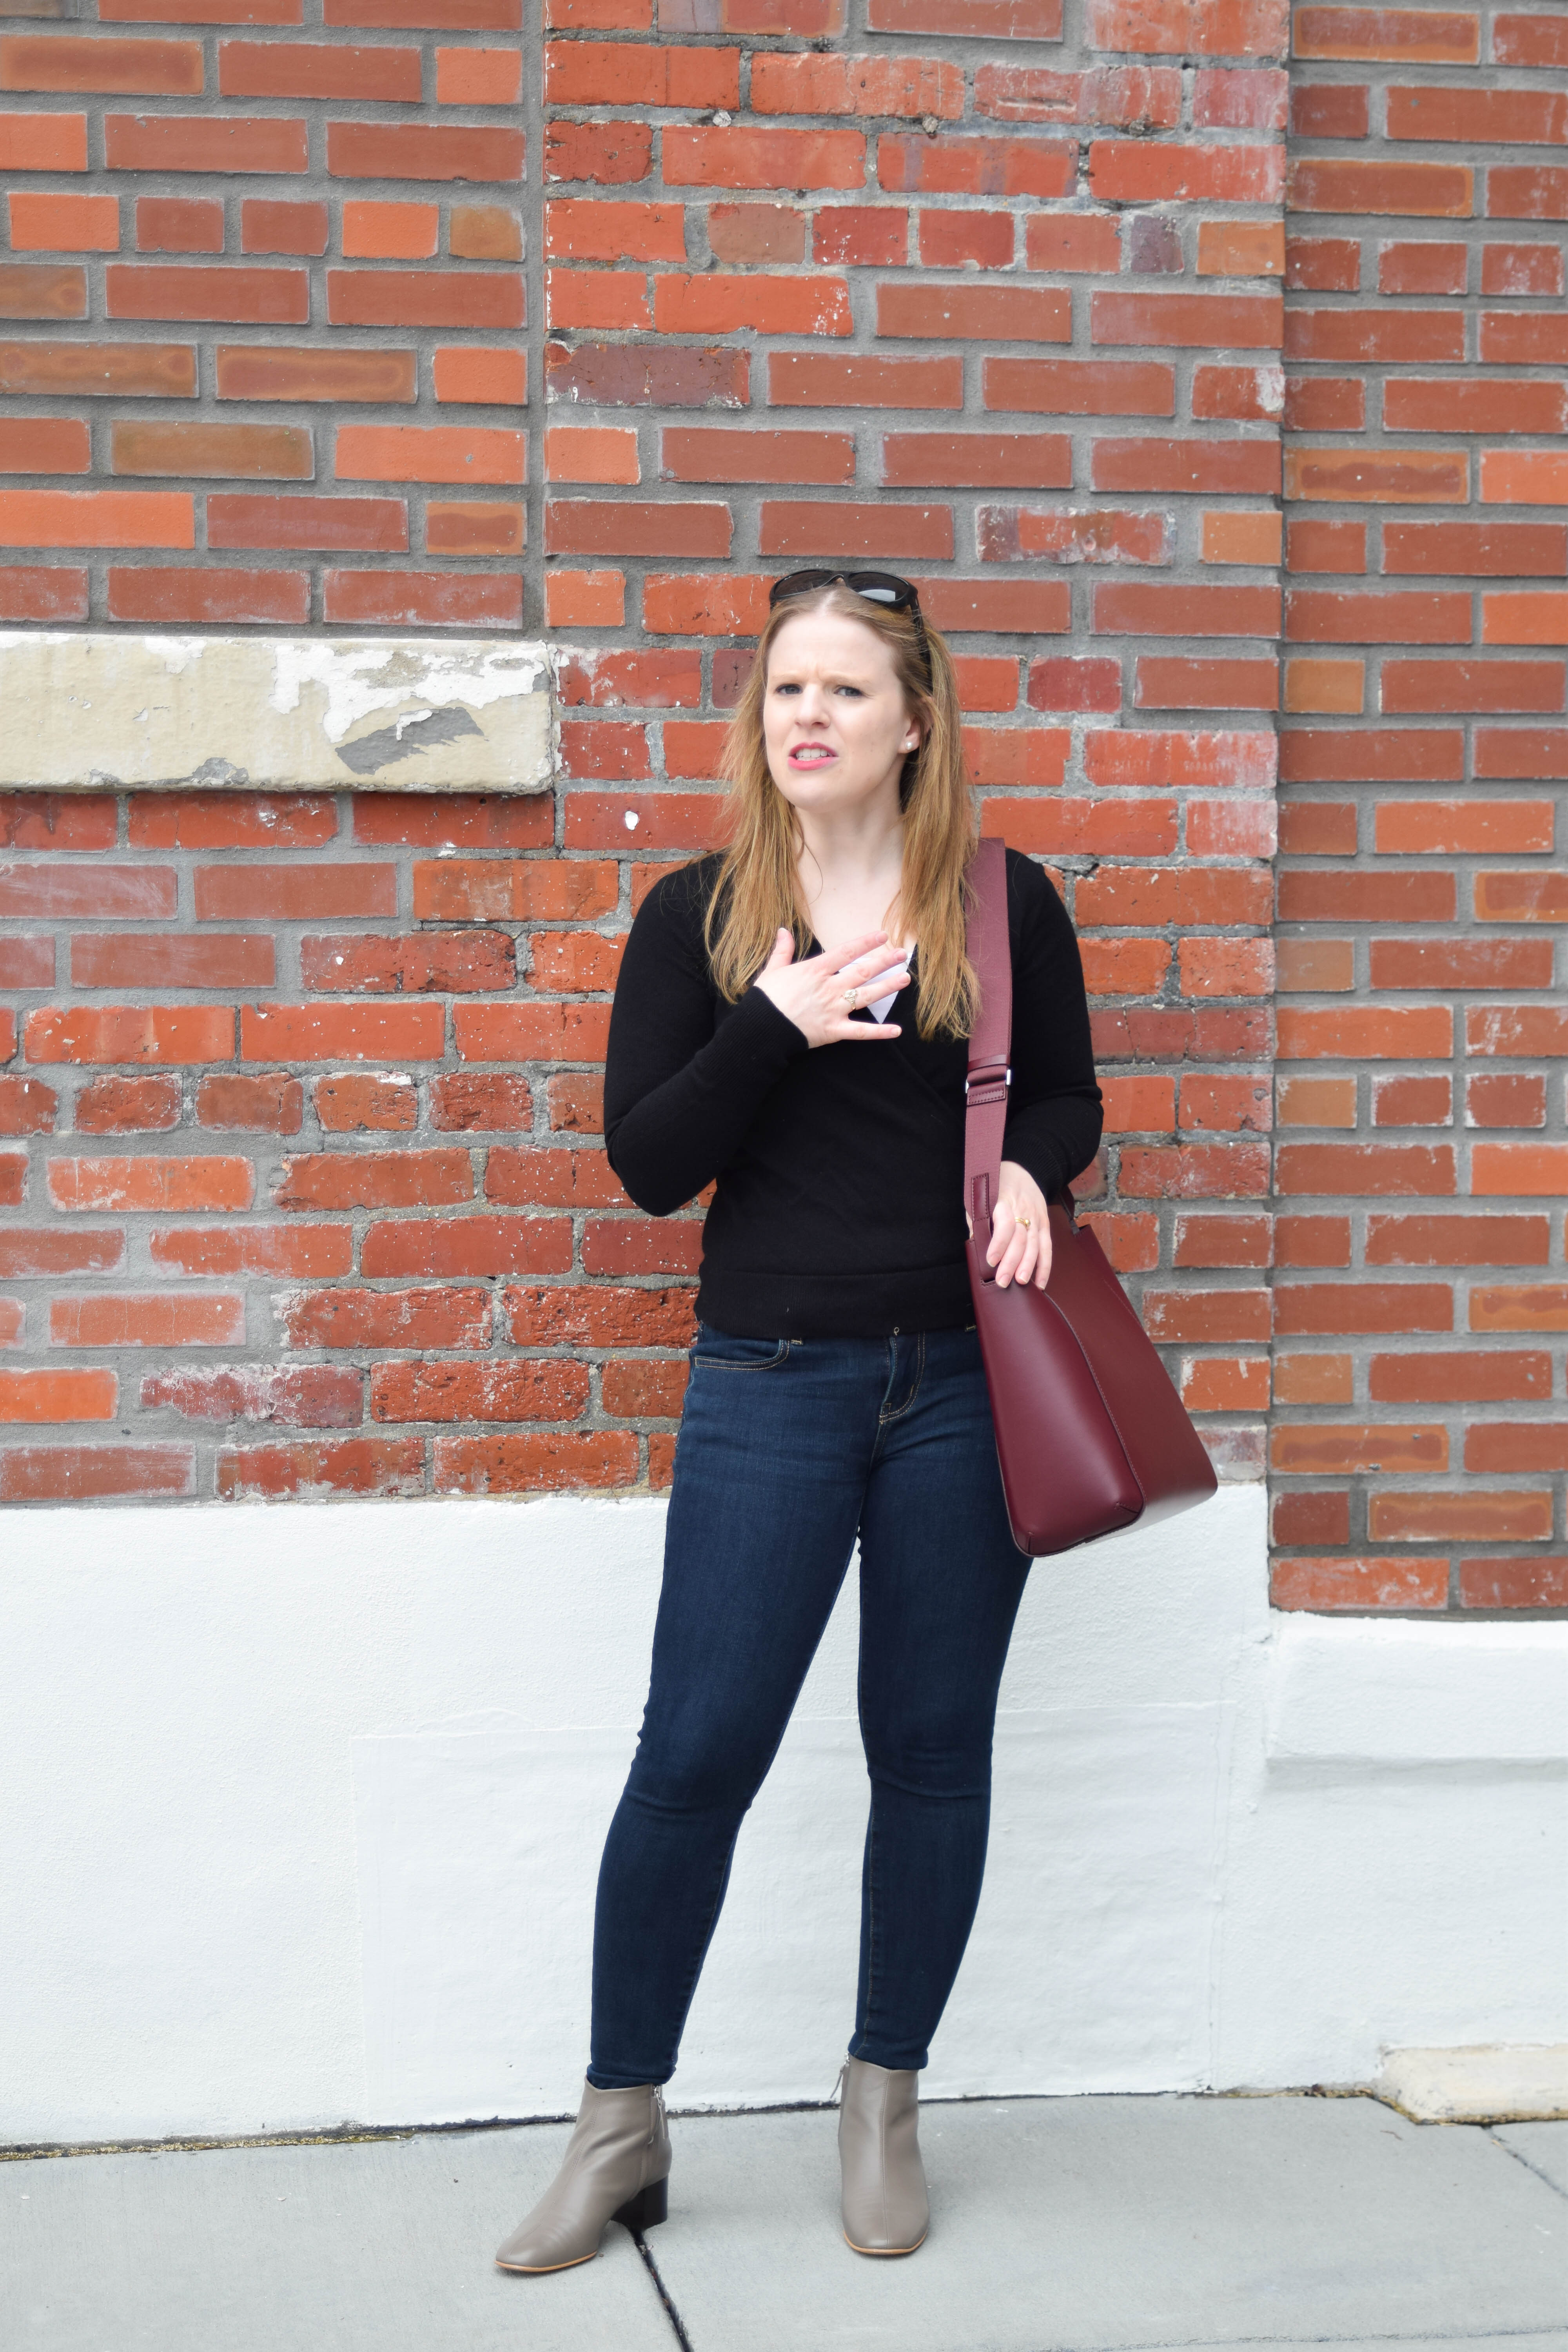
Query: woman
(837, 1391)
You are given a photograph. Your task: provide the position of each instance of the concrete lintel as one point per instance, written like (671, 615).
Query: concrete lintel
(90, 712)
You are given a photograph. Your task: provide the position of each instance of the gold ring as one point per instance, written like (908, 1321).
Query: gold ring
(852, 997)
(1025, 1220)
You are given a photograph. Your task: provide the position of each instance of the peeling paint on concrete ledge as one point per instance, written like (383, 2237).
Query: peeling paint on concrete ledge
(94, 713)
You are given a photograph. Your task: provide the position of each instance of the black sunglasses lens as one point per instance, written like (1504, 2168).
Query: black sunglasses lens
(882, 587)
(799, 583)
(876, 587)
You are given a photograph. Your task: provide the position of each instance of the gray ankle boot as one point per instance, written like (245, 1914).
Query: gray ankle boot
(614, 2169)
(886, 2211)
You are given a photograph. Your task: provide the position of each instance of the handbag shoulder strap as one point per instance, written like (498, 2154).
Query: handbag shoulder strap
(990, 1040)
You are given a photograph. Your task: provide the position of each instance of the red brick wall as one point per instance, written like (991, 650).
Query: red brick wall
(1420, 1299)
(975, 286)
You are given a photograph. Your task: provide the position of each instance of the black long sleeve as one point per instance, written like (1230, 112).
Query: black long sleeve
(1054, 1117)
(681, 1086)
(838, 1210)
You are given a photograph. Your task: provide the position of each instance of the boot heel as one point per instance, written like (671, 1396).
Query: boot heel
(649, 2207)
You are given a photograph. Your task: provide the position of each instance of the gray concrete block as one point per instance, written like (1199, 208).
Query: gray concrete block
(1115, 2222)
(1491, 2083)
(378, 2246)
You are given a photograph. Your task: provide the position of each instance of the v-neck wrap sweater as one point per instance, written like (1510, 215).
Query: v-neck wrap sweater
(838, 1207)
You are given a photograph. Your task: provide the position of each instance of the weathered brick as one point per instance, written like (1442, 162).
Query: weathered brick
(152, 1183)
(340, 1033)
(758, 158)
(51, 1251)
(467, 1245)
(315, 1250)
(1516, 1580)
(374, 1180)
(126, 1106)
(353, 1103)
(348, 1466)
(264, 1105)
(158, 1034)
(292, 893)
(543, 890)
(551, 1177)
(457, 961)
(502, 1465)
(439, 1317)
(82, 1474)
(153, 1320)
(454, 820)
(546, 1389)
(27, 1107)
(976, 167)
(45, 1398)
(298, 1396)
(1359, 1585)
(571, 1316)
(141, 959)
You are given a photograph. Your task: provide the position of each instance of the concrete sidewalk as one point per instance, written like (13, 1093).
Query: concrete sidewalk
(1081, 2223)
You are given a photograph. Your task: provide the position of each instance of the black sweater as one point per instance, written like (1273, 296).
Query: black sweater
(839, 1207)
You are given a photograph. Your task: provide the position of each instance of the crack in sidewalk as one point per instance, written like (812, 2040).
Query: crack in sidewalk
(1519, 2158)
(681, 2337)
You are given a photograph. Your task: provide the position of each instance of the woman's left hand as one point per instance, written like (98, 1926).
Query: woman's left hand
(1020, 1229)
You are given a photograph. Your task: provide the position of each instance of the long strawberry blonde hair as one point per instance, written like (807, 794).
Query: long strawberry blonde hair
(756, 897)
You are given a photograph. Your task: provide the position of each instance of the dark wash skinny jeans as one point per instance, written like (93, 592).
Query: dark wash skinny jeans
(788, 1450)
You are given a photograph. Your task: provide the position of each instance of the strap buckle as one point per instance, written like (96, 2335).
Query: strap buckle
(988, 1074)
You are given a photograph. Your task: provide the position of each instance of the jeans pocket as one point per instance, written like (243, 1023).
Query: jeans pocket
(723, 1352)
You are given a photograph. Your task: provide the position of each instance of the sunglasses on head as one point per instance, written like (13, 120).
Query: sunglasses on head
(877, 588)
(881, 587)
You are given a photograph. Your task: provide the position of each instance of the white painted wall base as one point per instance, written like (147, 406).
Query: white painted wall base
(303, 1807)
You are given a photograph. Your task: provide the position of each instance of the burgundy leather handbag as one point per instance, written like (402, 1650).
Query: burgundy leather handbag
(1091, 1434)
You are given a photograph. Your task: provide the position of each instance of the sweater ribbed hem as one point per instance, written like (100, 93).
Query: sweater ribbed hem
(763, 1305)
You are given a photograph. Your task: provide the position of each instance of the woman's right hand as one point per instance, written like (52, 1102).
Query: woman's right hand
(814, 994)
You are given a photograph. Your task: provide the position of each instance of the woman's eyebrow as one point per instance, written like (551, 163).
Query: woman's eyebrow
(827, 677)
